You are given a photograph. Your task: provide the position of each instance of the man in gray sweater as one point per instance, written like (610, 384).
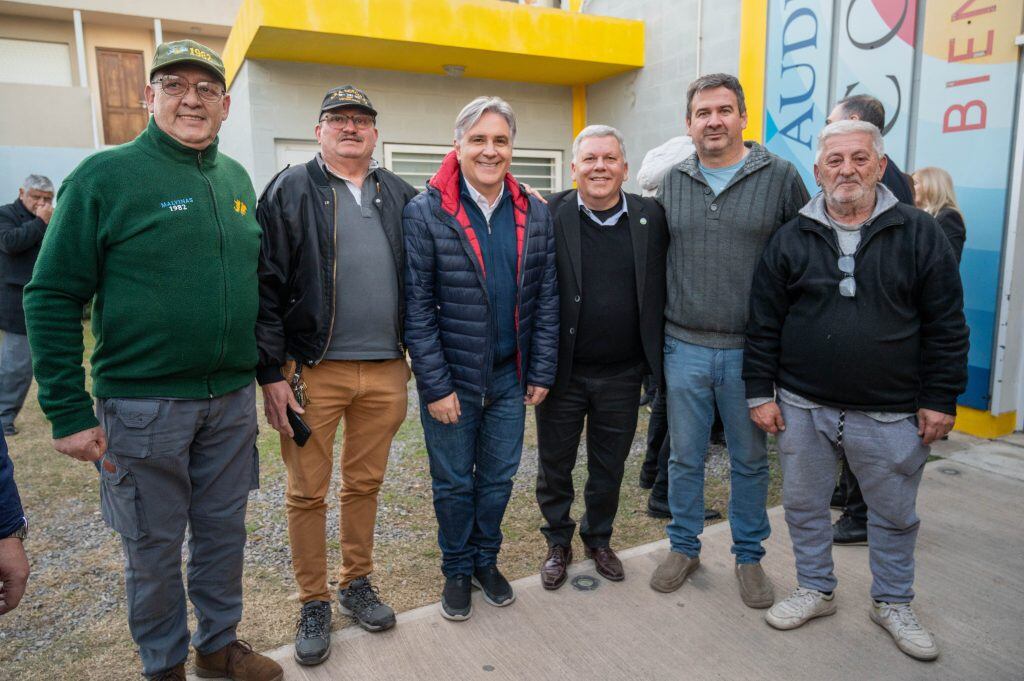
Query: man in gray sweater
(722, 204)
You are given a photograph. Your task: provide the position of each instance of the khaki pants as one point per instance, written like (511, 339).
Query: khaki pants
(371, 397)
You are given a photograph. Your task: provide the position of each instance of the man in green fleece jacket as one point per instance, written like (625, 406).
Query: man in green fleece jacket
(161, 231)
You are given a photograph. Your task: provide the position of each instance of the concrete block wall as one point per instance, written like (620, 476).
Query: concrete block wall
(284, 100)
(649, 105)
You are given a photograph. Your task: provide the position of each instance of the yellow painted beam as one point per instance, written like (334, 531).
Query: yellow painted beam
(243, 31)
(489, 39)
(579, 108)
(753, 48)
(984, 424)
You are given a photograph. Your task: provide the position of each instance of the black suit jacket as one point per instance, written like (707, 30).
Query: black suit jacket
(21, 233)
(649, 233)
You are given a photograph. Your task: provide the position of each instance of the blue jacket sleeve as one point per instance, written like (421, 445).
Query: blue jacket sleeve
(422, 335)
(544, 350)
(11, 513)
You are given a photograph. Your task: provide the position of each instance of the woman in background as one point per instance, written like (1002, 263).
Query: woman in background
(933, 192)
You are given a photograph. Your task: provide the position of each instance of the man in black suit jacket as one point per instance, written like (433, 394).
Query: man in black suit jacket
(610, 250)
(22, 225)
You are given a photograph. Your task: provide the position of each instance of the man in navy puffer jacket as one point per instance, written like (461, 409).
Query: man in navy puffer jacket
(481, 326)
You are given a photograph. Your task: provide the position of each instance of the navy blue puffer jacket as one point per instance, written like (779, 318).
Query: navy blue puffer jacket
(447, 320)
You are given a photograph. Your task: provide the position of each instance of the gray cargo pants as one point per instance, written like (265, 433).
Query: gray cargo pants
(888, 460)
(180, 462)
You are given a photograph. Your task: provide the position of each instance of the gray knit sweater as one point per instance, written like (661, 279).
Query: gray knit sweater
(716, 241)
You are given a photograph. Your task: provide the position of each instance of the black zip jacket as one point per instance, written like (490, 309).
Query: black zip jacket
(21, 233)
(297, 262)
(899, 345)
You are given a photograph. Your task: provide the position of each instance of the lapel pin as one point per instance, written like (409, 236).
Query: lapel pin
(643, 221)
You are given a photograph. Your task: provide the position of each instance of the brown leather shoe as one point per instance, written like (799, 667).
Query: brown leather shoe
(239, 662)
(176, 673)
(607, 563)
(555, 568)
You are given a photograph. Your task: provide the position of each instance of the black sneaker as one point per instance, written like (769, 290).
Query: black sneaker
(658, 508)
(848, 532)
(838, 500)
(647, 478)
(361, 601)
(456, 603)
(497, 590)
(10, 430)
(313, 635)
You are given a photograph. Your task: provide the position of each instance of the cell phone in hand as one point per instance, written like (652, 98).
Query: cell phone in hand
(300, 430)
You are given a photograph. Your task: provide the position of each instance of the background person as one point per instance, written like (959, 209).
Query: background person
(851, 528)
(482, 331)
(22, 226)
(934, 194)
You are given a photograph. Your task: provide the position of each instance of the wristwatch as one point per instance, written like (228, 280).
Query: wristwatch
(19, 533)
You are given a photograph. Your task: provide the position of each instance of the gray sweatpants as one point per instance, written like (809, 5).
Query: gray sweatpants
(180, 463)
(888, 460)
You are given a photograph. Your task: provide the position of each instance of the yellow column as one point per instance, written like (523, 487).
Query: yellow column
(579, 108)
(753, 45)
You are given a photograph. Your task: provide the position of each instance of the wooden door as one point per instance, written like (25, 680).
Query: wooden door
(122, 79)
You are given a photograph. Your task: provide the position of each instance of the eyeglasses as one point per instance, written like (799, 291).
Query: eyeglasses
(176, 86)
(847, 285)
(339, 121)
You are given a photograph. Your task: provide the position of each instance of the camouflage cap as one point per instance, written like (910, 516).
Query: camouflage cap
(187, 52)
(346, 95)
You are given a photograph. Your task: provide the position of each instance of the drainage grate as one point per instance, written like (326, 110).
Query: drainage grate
(585, 583)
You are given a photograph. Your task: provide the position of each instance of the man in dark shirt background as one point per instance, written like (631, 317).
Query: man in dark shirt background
(22, 225)
(851, 529)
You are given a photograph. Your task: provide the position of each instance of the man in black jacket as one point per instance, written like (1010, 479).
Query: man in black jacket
(856, 346)
(851, 529)
(22, 225)
(331, 273)
(610, 250)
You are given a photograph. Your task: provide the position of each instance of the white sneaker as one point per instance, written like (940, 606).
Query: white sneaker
(901, 623)
(798, 608)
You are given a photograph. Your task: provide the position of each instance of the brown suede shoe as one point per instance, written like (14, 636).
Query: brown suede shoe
(755, 586)
(607, 563)
(673, 571)
(239, 662)
(176, 673)
(555, 568)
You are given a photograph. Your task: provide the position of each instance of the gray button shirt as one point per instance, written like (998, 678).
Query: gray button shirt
(366, 283)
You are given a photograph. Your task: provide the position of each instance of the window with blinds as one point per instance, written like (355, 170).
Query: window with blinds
(416, 164)
(34, 62)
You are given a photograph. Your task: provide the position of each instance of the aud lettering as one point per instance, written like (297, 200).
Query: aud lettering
(799, 35)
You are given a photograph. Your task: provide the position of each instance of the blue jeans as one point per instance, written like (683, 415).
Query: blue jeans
(472, 464)
(15, 375)
(697, 378)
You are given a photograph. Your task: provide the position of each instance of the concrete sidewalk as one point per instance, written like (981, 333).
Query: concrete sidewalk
(970, 589)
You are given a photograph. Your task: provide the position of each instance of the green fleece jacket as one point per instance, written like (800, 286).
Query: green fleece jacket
(166, 239)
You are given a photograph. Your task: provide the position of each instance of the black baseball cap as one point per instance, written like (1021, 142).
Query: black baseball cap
(347, 95)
